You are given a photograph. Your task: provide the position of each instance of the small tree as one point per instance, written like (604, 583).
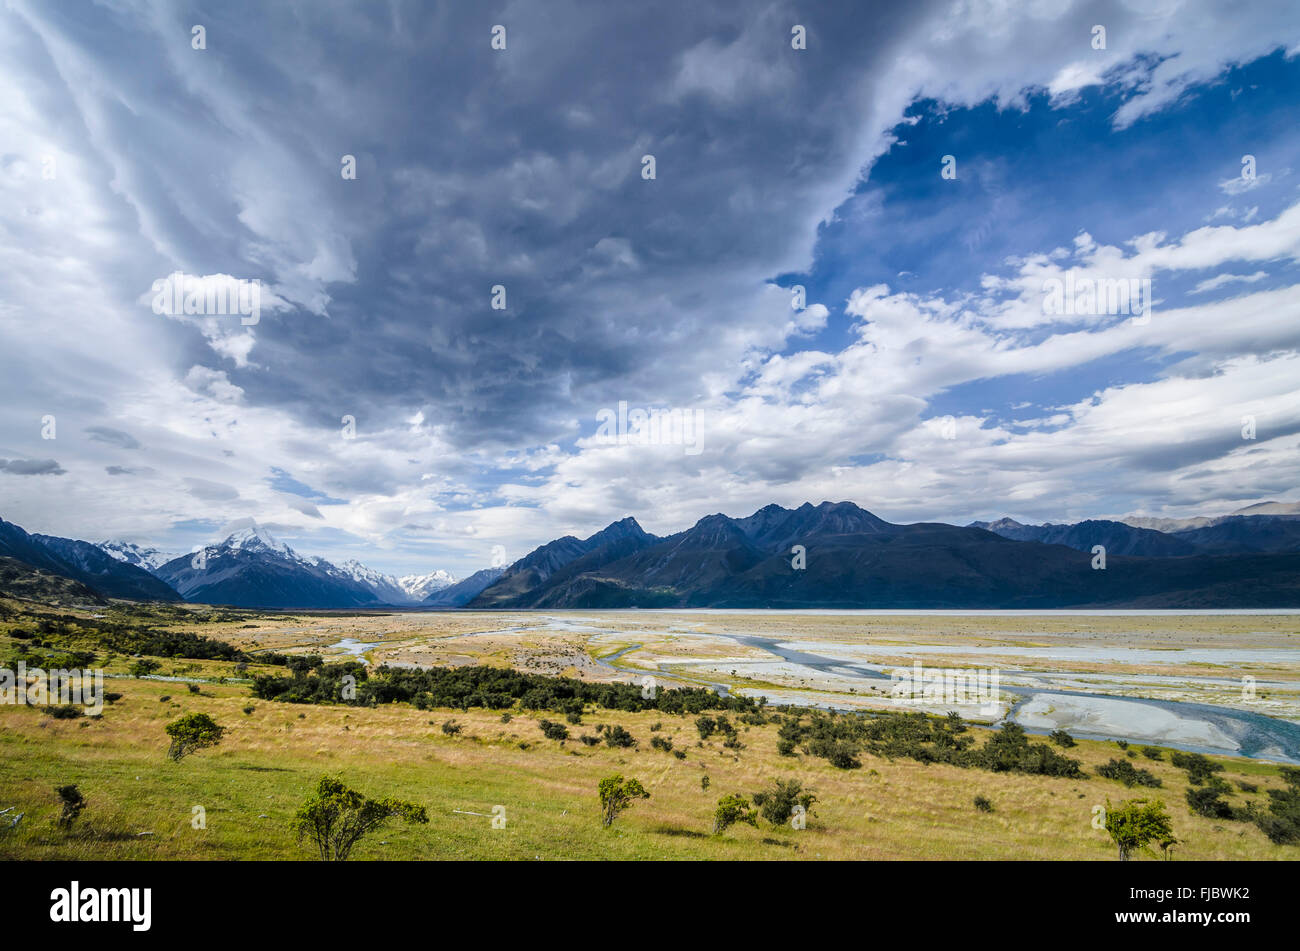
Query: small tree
(73, 802)
(733, 809)
(1134, 825)
(777, 804)
(616, 795)
(194, 731)
(143, 667)
(336, 818)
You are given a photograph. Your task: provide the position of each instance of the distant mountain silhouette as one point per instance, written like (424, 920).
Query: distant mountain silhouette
(855, 559)
(82, 562)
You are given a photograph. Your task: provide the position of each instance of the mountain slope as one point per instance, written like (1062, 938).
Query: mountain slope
(1116, 537)
(555, 563)
(464, 591)
(252, 569)
(150, 559)
(420, 587)
(18, 579)
(82, 562)
(116, 579)
(854, 559)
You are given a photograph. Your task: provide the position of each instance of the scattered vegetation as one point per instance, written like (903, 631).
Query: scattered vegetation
(194, 731)
(777, 803)
(71, 803)
(1134, 825)
(732, 809)
(337, 818)
(616, 795)
(1125, 772)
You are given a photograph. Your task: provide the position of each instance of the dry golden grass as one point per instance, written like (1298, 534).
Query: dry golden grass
(270, 760)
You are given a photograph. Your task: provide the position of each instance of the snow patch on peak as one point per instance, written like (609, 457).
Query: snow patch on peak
(419, 587)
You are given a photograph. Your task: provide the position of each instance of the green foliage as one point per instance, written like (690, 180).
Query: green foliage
(1134, 825)
(616, 795)
(1281, 823)
(1061, 739)
(1151, 752)
(72, 803)
(706, 726)
(553, 731)
(143, 667)
(336, 818)
(1125, 772)
(66, 711)
(464, 688)
(1199, 768)
(732, 809)
(619, 737)
(192, 732)
(982, 804)
(662, 743)
(1206, 801)
(778, 801)
(450, 727)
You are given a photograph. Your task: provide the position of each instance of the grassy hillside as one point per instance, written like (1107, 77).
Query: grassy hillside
(141, 804)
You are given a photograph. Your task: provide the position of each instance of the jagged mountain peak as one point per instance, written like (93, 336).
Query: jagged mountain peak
(247, 535)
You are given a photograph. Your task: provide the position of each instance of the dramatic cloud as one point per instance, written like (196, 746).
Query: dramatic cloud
(435, 339)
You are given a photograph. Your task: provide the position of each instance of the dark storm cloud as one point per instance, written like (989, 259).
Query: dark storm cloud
(520, 167)
(31, 467)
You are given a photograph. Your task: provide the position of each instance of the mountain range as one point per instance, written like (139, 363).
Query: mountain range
(854, 559)
(834, 554)
(249, 568)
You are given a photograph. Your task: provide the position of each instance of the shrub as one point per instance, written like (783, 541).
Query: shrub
(706, 726)
(777, 803)
(1205, 801)
(72, 802)
(1125, 772)
(553, 731)
(248, 710)
(194, 688)
(1134, 825)
(336, 818)
(1199, 768)
(662, 743)
(732, 809)
(67, 711)
(982, 804)
(451, 727)
(143, 667)
(1151, 752)
(589, 740)
(617, 736)
(1061, 738)
(616, 795)
(194, 731)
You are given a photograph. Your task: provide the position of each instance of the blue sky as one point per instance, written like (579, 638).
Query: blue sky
(924, 380)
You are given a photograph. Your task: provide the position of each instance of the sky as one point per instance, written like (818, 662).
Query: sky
(826, 238)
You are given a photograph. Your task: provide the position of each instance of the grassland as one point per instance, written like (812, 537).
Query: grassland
(141, 805)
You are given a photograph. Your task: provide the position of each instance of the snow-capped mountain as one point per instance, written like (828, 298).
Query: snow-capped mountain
(386, 588)
(419, 587)
(150, 559)
(252, 568)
